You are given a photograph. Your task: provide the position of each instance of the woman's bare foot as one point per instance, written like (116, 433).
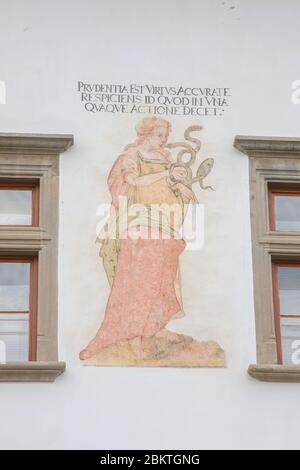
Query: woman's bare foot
(137, 348)
(170, 335)
(86, 354)
(92, 348)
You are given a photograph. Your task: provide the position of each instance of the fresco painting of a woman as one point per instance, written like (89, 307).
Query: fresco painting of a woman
(142, 263)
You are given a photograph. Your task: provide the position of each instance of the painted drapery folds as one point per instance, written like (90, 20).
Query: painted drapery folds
(153, 200)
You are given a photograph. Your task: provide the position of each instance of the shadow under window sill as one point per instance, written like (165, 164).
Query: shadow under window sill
(274, 373)
(33, 371)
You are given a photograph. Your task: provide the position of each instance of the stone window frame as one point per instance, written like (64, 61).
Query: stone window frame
(36, 157)
(271, 160)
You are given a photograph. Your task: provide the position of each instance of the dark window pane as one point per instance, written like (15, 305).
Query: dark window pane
(289, 290)
(15, 207)
(14, 286)
(14, 337)
(287, 213)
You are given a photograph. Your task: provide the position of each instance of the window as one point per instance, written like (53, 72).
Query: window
(29, 207)
(286, 292)
(274, 167)
(284, 216)
(18, 307)
(19, 203)
(284, 208)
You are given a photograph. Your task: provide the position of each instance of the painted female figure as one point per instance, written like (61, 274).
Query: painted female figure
(143, 270)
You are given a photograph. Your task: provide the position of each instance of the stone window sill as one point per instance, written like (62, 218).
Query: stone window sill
(274, 373)
(31, 371)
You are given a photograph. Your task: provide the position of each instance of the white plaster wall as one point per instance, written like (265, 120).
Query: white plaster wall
(45, 48)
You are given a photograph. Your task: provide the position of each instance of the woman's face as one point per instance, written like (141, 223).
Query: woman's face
(159, 137)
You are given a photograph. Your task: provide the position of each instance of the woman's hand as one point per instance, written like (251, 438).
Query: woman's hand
(179, 173)
(187, 193)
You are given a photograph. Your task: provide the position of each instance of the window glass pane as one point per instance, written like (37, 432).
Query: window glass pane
(289, 290)
(290, 339)
(287, 213)
(14, 286)
(14, 337)
(15, 207)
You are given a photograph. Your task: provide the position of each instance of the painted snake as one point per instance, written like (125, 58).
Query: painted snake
(204, 168)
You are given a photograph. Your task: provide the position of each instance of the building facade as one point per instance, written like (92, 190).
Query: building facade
(80, 83)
